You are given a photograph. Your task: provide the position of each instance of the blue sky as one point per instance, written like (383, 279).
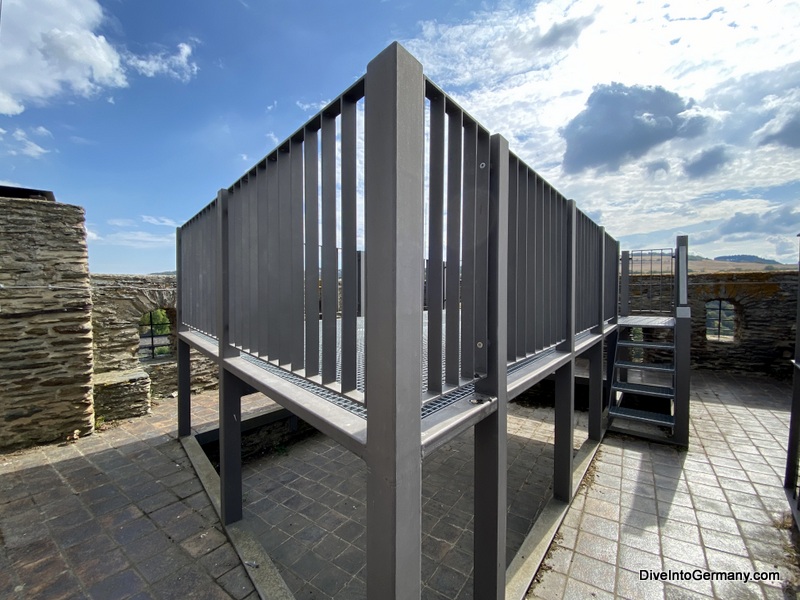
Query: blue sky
(659, 118)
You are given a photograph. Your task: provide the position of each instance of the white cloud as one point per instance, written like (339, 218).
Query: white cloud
(159, 221)
(138, 239)
(121, 222)
(312, 106)
(42, 131)
(526, 69)
(24, 146)
(51, 48)
(178, 66)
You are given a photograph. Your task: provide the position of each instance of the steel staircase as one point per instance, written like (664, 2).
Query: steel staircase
(644, 371)
(649, 367)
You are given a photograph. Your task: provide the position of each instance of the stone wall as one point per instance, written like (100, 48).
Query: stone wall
(766, 309)
(124, 384)
(45, 323)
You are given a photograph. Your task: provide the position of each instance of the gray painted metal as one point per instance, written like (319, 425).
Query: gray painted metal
(230, 443)
(349, 265)
(468, 251)
(297, 315)
(523, 275)
(330, 283)
(565, 376)
(793, 447)
(683, 344)
(184, 372)
(312, 298)
(435, 241)
(454, 242)
(394, 208)
(625, 285)
(490, 433)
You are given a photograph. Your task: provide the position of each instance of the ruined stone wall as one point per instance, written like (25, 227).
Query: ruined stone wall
(124, 384)
(766, 309)
(45, 323)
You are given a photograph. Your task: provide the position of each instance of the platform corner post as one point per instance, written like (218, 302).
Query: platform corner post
(393, 211)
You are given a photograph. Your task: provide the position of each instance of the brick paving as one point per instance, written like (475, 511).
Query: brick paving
(307, 508)
(118, 514)
(719, 507)
(121, 514)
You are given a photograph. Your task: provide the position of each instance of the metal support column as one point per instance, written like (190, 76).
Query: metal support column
(790, 480)
(394, 138)
(595, 355)
(596, 394)
(565, 378)
(230, 392)
(491, 433)
(683, 343)
(625, 285)
(184, 365)
(184, 390)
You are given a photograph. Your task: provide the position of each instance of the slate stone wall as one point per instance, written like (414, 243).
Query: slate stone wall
(119, 303)
(766, 309)
(46, 356)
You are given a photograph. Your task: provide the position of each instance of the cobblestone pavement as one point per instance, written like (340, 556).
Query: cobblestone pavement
(307, 508)
(718, 508)
(118, 514)
(121, 514)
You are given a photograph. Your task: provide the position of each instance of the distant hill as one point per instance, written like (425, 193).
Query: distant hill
(747, 258)
(165, 273)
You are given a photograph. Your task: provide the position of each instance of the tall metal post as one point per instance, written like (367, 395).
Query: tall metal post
(230, 394)
(490, 433)
(184, 365)
(394, 149)
(683, 342)
(625, 285)
(565, 379)
(790, 480)
(595, 355)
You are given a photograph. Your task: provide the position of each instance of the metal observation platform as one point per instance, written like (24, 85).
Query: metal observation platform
(478, 280)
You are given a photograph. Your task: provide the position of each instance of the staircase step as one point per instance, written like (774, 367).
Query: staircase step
(645, 321)
(658, 391)
(643, 416)
(659, 368)
(651, 345)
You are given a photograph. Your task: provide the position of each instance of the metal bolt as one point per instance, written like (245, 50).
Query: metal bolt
(480, 345)
(483, 165)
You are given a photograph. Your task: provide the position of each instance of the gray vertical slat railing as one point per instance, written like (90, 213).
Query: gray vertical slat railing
(253, 276)
(468, 250)
(525, 271)
(534, 286)
(454, 241)
(482, 181)
(435, 233)
(284, 256)
(297, 315)
(273, 314)
(513, 226)
(262, 242)
(349, 266)
(330, 283)
(394, 137)
(312, 299)
(522, 258)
